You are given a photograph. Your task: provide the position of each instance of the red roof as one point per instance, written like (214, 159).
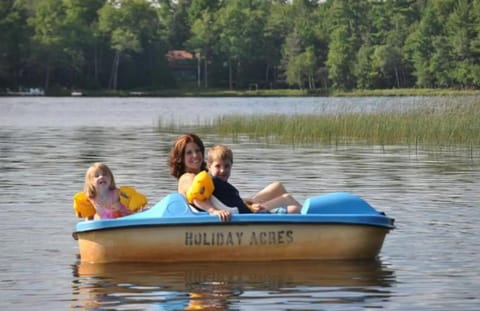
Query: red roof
(176, 55)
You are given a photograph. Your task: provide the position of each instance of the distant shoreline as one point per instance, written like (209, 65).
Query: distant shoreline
(248, 93)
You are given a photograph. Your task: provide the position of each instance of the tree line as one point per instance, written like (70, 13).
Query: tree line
(339, 44)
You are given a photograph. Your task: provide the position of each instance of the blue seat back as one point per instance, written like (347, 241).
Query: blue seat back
(337, 203)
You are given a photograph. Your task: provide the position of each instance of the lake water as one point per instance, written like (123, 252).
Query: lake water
(430, 262)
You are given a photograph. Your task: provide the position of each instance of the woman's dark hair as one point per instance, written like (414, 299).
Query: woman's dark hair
(177, 154)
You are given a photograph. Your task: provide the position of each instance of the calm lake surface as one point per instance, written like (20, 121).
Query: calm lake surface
(430, 262)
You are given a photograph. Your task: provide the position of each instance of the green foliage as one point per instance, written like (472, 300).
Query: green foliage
(49, 37)
(301, 69)
(241, 23)
(132, 27)
(341, 57)
(14, 38)
(339, 44)
(363, 69)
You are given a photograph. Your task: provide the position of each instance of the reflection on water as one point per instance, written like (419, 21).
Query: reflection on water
(219, 286)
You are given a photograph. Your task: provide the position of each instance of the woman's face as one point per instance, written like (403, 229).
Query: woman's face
(193, 158)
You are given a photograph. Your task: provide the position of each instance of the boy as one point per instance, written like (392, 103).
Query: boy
(275, 198)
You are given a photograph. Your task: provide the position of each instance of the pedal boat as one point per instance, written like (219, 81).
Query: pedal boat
(332, 226)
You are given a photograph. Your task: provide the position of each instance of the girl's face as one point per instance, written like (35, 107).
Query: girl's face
(101, 180)
(220, 169)
(193, 158)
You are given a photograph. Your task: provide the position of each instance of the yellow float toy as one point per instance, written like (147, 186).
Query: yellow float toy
(128, 196)
(202, 187)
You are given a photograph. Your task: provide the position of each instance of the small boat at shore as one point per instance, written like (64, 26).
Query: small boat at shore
(332, 226)
(26, 92)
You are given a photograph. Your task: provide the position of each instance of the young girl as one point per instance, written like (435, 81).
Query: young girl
(102, 199)
(186, 161)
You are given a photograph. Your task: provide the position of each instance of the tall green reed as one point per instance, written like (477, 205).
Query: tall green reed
(450, 125)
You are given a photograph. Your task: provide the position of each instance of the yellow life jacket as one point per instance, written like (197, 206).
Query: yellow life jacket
(128, 196)
(82, 206)
(202, 187)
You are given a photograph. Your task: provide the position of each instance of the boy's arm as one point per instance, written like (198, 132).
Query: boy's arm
(216, 203)
(208, 207)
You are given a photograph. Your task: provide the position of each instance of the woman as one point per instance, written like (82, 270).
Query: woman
(186, 160)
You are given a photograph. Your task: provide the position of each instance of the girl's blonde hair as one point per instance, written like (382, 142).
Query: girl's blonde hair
(89, 187)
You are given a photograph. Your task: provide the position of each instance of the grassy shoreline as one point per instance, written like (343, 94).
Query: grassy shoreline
(316, 93)
(455, 125)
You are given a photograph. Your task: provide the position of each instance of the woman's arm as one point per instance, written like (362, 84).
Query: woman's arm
(185, 182)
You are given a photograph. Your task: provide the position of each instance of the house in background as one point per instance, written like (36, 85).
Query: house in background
(183, 65)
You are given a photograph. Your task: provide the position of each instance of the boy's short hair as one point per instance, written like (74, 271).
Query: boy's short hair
(219, 152)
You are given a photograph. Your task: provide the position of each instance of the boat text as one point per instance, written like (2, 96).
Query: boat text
(238, 238)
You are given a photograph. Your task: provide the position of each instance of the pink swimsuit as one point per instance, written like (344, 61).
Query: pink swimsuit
(111, 210)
